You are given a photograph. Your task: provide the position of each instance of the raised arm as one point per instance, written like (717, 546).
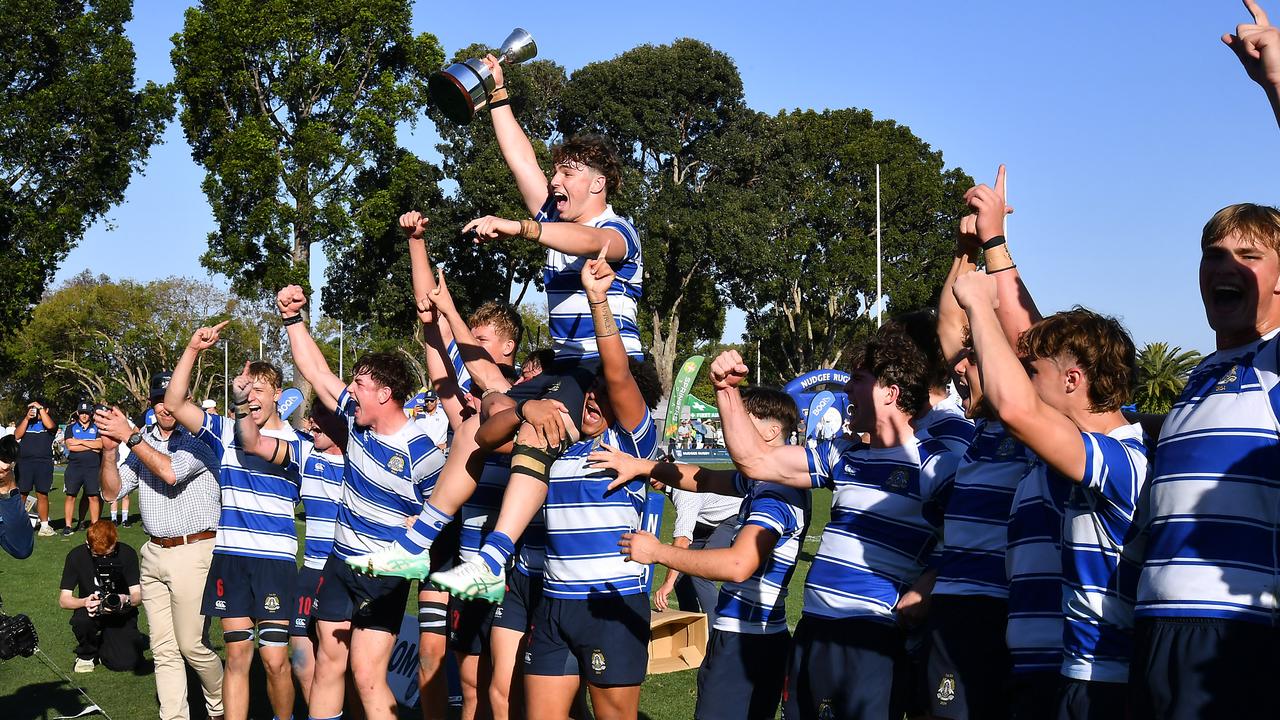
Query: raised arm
(757, 459)
(624, 394)
(1008, 390)
(1017, 310)
(176, 396)
(566, 237)
(1257, 44)
(115, 427)
(306, 354)
(484, 372)
(273, 450)
(951, 319)
(681, 476)
(516, 149)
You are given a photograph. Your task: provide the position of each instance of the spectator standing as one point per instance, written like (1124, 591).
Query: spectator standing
(84, 454)
(35, 433)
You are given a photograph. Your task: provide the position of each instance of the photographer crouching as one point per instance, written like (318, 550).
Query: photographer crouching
(104, 573)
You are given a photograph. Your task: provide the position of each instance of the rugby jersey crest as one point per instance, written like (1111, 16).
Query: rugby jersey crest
(1214, 520)
(757, 605)
(258, 497)
(878, 539)
(584, 521)
(388, 478)
(322, 480)
(570, 326)
(976, 522)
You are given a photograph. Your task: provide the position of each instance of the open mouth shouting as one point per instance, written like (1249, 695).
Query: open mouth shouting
(560, 199)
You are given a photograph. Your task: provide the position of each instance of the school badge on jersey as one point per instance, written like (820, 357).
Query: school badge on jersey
(271, 603)
(897, 480)
(396, 464)
(947, 689)
(1232, 378)
(597, 661)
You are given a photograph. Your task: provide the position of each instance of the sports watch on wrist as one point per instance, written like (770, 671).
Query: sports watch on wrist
(133, 440)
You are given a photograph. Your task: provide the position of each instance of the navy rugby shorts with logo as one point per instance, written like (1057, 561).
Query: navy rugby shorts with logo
(742, 675)
(308, 581)
(469, 624)
(249, 587)
(524, 592)
(603, 639)
(370, 603)
(969, 664)
(846, 667)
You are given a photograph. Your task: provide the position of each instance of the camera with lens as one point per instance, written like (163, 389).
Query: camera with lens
(17, 636)
(108, 573)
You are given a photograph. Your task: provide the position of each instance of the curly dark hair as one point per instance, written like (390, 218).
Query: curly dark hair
(596, 152)
(893, 358)
(922, 327)
(1100, 346)
(646, 374)
(388, 369)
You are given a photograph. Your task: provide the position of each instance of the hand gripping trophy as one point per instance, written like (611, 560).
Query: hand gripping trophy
(462, 89)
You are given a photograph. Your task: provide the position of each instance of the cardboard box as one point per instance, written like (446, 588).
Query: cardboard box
(677, 641)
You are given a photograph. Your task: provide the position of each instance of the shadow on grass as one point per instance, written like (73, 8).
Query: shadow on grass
(41, 701)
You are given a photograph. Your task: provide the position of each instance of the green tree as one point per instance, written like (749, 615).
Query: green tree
(285, 105)
(807, 281)
(673, 111)
(73, 130)
(98, 339)
(1162, 373)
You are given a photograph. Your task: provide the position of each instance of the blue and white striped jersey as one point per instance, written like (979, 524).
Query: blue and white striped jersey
(480, 512)
(573, 334)
(388, 478)
(976, 523)
(258, 497)
(322, 481)
(1034, 564)
(1099, 573)
(879, 537)
(1214, 520)
(757, 605)
(584, 521)
(946, 422)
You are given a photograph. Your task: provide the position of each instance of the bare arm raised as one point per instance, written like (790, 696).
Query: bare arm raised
(756, 458)
(1257, 44)
(176, 396)
(306, 354)
(516, 149)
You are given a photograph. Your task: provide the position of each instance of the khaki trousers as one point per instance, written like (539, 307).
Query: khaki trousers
(172, 590)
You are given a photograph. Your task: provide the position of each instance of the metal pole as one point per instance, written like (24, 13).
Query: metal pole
(340, 350)
(259, 347)
(226, 382)
(879, 295)
(757, 361)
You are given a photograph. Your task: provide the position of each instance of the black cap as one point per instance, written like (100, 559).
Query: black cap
(159, 383)
(429, 395)
(84, 407)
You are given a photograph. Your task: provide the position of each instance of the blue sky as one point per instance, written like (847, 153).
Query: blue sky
(1124, 125)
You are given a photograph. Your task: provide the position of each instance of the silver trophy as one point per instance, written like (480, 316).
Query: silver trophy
(462, 89)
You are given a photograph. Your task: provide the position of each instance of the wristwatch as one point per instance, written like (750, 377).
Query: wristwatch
(133, 440)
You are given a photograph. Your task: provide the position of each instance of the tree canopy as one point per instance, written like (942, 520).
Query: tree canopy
(1162, 373)
(73, 130)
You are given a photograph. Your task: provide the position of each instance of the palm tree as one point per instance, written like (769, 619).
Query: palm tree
(1162, 372)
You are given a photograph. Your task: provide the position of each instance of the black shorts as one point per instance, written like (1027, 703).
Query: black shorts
(1204, 668)
(1035, 695)
(444, 549)
(847, 668)
(567, 380)
(604, 640)
(742, 675)
(248, 587)
(35, 475)
(371, 603)
(79, 477)
(520, 603)
(1087, 700)
(968, 673)
(469, 623)
(305, 597)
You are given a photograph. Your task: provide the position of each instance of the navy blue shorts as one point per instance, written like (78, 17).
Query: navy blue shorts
(34, 475)
(81, 477)
(566, 380)
(969, 665)
(370, 603)
(604, 639)
(469, 623)
(248, 587)
(1204, 668)
(1036, 695)
(847, 668)
(520, 603)
(305, 595)
(742, 676)
(1087, 700)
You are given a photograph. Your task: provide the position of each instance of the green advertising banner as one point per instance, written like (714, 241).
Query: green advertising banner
(679, 389)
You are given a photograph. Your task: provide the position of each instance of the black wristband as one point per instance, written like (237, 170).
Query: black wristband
(292, 320)
(994, 242)
(993, 272)
(520, 410)
(500, 103)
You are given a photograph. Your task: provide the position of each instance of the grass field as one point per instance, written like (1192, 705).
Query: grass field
(29, 689)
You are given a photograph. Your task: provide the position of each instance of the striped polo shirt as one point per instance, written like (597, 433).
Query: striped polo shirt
(322, 480)
(947, 423)
(388, 478)
(976, 523)
(1100, 578)
(878, 539)
(572, 332)
(258, 496)
(1214, 520)
(584, 519)
(1033, 562)
(757, 605)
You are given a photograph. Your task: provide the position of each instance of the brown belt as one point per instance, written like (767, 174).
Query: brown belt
(168, 542)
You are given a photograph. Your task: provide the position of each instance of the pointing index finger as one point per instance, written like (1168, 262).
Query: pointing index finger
(219, 326)
(604, 249)
(1000, 175)
(1259, 15)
